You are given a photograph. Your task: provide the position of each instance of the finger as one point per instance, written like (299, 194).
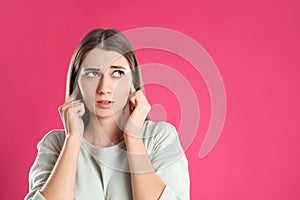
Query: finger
(78, 101)
(72, 104)
(61, 115)
(132, 99)
(140, 96)
(71, 108)
(74, 94)
(59, 109)
(71, 116)
(81, 110)
(131, 106)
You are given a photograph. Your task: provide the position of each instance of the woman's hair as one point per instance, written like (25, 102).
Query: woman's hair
(107, 39)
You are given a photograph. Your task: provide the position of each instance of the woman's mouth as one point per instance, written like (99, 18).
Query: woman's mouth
(105, 103)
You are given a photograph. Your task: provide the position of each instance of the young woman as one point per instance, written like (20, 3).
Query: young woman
(109, 149)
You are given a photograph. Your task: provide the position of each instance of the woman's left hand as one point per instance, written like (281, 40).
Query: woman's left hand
(139, 108)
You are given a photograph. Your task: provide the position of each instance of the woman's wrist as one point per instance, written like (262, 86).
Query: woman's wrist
(134, 144)
(74, 141)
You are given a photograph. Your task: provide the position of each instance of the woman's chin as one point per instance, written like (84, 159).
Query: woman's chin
(107, 113)
(104, 115)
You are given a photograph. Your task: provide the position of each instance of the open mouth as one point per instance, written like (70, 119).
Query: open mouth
(104, 103)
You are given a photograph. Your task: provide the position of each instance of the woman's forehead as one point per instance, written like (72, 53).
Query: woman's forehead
(101, 59)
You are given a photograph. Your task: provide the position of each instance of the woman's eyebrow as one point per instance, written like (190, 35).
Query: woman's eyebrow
(118, 67)
(112, 67)
(93, 69)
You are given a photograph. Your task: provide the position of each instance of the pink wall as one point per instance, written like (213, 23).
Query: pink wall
(255, 45)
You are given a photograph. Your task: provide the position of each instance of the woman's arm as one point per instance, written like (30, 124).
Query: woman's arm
(145, 182)
(170, 178)
(60, 184)
(165, 163)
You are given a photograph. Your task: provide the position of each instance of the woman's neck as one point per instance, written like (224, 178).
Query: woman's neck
(103, 132)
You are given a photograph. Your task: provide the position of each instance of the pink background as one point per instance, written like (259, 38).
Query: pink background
(255, 45)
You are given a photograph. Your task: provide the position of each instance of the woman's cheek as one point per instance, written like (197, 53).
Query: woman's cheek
(88, 95)
(121, 90)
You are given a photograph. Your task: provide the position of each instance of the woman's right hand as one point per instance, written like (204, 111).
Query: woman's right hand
(71, 113)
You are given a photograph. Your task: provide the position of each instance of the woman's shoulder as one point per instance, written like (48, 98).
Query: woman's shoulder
(162, 143)
(152, 127)
(52, 142)
(161, 131)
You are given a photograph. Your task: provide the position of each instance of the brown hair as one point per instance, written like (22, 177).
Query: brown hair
(107, 39)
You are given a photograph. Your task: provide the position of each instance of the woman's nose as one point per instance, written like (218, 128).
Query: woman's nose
(103, 85)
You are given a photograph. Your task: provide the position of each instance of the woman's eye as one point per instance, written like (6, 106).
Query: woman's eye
(118, 73)
(92, 74)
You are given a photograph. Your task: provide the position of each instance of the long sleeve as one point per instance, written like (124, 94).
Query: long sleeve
(170, 163)
(48, 151)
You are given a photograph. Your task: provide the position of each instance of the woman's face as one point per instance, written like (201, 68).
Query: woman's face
(104, 76)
